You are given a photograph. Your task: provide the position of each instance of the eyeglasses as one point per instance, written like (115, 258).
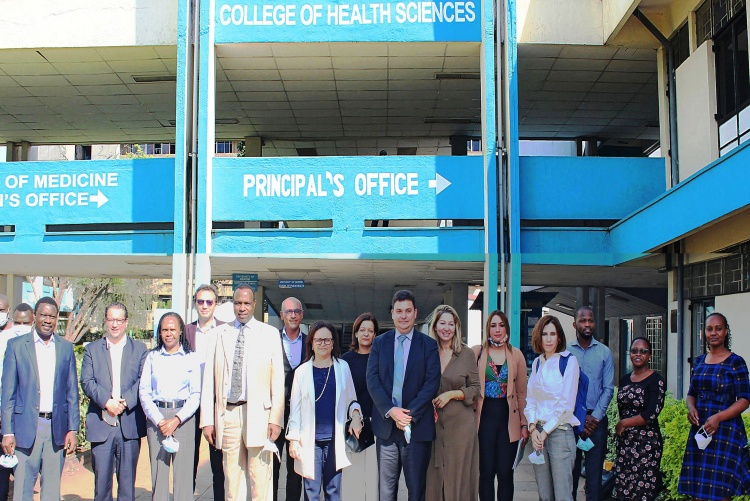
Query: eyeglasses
(116, 321)
(293, 312)
(208, 302)
(47, 317)
(323, 341)
(636, 351)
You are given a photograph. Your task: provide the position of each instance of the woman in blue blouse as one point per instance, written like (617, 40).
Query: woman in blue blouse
(321, 401)
(170, 395)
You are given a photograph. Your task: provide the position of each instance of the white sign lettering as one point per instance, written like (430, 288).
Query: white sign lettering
(348, 14)
(58, 190)
(383, 184)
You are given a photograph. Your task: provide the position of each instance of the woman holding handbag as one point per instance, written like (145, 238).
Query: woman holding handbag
(362, 476)
(322, 399)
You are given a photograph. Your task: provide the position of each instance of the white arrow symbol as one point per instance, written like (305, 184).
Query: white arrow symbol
(99, 198)
(439, 183)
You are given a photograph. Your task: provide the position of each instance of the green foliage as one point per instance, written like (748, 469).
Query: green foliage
(83, 401)
(613, 416)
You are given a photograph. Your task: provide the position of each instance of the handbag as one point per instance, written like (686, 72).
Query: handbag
(366, 436)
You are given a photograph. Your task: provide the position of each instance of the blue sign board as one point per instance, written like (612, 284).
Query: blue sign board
(250, 279)
(348, 190)
(243, 21)
(291, 284)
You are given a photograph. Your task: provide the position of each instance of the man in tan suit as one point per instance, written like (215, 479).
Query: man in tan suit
(242, 403)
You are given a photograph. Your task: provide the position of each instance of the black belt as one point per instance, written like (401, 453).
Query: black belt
(173, 404)
(45, 415)
(236, 404)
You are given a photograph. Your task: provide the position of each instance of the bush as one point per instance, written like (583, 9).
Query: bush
(83, 404)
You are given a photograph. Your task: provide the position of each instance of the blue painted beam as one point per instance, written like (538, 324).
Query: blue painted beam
(718, 189)
(588, 187)
(90, 243)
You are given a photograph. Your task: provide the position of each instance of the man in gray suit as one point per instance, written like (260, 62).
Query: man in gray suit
(115, 422)
(40, 416)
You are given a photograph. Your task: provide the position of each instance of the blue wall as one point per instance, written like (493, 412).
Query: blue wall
(588, 187)
(36, 194)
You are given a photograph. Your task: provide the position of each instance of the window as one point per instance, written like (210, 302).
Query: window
(654, 335)
(713, 15)
(732, 84)
(680, 43)
(726, 275)
(224, 147)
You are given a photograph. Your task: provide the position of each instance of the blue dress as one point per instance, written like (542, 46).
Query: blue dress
(723, 468)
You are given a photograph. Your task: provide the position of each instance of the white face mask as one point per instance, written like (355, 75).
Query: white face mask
(536, 457)
(19, 330)
(702, 438)
(7, 461)
(585, 445)
(270, 446)
(3, 318)
(171, 445)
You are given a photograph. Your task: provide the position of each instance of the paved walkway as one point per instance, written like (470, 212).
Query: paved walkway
(78, 480)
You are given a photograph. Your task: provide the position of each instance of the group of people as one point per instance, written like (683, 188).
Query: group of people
(454, 419)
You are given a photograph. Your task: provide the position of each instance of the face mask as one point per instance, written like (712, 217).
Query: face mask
(271, 447)
(585, 445)
(407, 433)
(171, 445)
(19, 330)
(3, 318)
(536, 457)
(7, 461)
(702, 438)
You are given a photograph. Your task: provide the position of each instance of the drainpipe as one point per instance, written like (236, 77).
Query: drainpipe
(680, 317)
(675, 171)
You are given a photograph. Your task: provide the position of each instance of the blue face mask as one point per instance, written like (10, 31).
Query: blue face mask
(7, 461)
(585, 445)
(171, 445)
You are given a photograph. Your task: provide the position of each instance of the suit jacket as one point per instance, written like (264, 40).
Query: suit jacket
(302, 415)
(516, 395)
(190, 332)
(20, 393)
(289, 372)
(421, 383)
(96, 382)
(264, 381)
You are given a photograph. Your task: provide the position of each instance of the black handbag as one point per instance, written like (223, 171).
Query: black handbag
(366, 436)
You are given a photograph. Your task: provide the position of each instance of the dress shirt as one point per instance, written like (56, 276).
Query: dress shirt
(45, 362)
(201, 346)
(231, 345)
(115, 355)
(407, 346)
(292, 349)
(168, 377)
(596, 363)
(551, 397)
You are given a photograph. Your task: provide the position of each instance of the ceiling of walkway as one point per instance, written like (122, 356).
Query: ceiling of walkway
(340, 289)
(336, 98)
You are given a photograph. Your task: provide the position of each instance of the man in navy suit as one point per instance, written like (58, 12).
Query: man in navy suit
(403, 376)
(205, 301)
(40, 416)
(115, 422)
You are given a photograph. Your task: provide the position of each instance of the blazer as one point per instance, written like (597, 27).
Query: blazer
(516, 395)
(264, 381)
(421, 383)
(20, 393)
(190, 332)
(302, 415)
(96, 382)
(288, 371)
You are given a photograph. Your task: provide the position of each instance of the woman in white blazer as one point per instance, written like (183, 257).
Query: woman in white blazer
(323, 397)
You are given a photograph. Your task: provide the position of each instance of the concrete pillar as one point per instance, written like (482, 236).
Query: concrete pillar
(180, 302)
(599, 312)
(582, 297)
(10, 148)
(458, 297)
(258, 313)
(253, 146)
(25, 147)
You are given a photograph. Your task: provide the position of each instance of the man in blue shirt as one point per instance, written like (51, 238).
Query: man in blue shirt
(595, 360)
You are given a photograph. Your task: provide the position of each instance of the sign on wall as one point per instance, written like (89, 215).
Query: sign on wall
(241, 21)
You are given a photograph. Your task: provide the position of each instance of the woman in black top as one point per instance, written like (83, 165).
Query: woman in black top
(362, 476)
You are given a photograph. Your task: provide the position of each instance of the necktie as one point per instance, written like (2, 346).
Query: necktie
(235, 391)
(398, 371)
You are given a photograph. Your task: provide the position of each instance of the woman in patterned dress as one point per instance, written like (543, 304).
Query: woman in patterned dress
(640, 399)
(719, 393)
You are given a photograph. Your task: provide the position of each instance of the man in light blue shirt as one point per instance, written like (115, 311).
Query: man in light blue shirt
(595, 360)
